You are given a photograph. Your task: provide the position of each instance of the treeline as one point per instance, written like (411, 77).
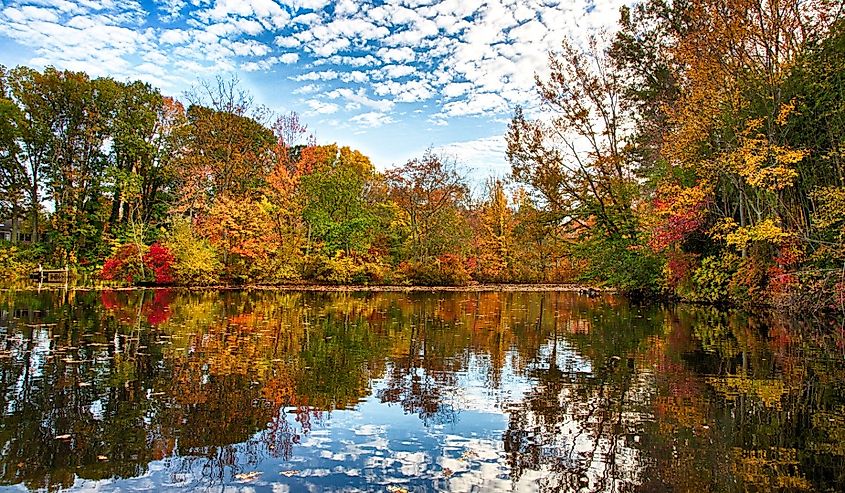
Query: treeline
(700, 155)
(123, 183)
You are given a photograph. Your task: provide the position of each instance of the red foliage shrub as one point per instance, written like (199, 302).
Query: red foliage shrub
(675, 229)
(160, 261)
(679, 266)
(129, 265)
(124, 264)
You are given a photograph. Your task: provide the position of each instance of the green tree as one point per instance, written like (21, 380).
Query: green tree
(13, 179)
(136, 131)
(340, 206)
(27, 87)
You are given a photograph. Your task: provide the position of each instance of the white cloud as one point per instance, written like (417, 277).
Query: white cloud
(359, 98)
(354, 76)
(476, 104)
(462, 57)
(286, 41)
(267, 11)
(309, 4)
(405, 91)
(324, 75)
(174, 36)
(351, 61)
(268, 63)
(397, 71)
(372, 119)
(309, 19)
(485, 156)
(307, 89)
(171, 9)
(321, 107)
(403, 54)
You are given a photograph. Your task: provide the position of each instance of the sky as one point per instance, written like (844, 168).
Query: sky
(390, 78)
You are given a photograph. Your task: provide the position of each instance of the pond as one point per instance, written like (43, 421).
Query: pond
(165, 390)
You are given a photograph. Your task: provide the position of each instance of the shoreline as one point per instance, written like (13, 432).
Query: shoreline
(328, 288)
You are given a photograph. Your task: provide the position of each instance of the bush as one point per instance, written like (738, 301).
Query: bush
(446, 270)
(711, 281)
(136, 264)
(126, 264)
(160, 261)
(349, 269)
(17, 263)
(629, 267)
(195, 261)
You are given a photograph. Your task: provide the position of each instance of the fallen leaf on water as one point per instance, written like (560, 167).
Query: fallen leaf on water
(468, 454)
(247, 476)
(397, 489)
(447, 472)
(290, 473)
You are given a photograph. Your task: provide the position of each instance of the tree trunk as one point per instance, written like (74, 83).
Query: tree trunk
(14, 237)
(33, 197)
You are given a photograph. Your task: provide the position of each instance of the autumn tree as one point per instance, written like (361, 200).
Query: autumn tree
(720, 92)
(430, 192)
(575, 158)
(228, 150)
(81, 111)
(143, 130)
(28, 89)
(494, 238)
(13, 179)
(240, 229)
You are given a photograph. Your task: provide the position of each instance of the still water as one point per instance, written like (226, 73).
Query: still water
(287, 391)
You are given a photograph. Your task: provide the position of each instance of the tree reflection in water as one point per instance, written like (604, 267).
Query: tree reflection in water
(568, 393)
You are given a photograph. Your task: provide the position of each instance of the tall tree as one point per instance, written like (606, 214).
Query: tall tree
(80, 111)
(13, 179)
(133, 133)
(431, 193)
(340, 209)
(494, 238)
(576, 158)
(28, 88)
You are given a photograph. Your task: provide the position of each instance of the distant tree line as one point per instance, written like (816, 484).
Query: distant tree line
(118, 180)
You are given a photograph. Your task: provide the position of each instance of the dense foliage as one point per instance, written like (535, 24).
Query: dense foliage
(698, 154)
(129, 185)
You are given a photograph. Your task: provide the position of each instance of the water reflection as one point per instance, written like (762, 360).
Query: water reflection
(273, 391)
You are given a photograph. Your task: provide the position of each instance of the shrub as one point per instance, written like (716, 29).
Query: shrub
(195, 262)
(16, 263)
(629, 267)
(446, 270)
(139, 264)
(126, 264)
(349, 269)
(711, 281)
(160, 261)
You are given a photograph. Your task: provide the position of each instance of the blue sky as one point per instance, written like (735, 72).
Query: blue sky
(390, 78)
